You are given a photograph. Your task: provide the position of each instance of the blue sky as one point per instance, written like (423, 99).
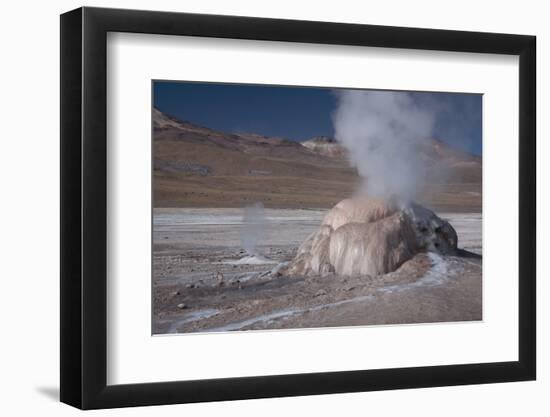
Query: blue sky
(299, 113)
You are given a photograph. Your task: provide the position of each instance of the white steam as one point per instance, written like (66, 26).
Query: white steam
(384, 132)
(254, 227)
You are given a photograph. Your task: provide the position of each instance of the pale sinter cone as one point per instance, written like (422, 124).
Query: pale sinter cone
(371, 236)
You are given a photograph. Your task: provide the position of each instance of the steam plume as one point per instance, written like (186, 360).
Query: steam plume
(254, 226)
(383, 132)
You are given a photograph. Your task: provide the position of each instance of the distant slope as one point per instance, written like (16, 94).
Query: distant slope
(326, 146)
(433, 153)
(195, 166)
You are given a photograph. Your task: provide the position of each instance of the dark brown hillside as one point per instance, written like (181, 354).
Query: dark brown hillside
(196, 166)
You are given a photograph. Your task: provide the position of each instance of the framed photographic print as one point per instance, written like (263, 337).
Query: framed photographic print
(257, 208)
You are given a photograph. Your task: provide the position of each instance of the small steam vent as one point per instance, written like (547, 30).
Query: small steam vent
(368, 236)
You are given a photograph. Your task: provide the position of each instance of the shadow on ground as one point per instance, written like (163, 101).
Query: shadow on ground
(50, 392)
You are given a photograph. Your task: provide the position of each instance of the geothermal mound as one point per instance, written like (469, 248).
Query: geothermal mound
(371, 237)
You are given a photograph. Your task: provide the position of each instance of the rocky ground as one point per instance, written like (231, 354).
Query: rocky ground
(204, 281)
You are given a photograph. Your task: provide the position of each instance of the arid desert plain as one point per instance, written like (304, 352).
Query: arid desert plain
(199, 262)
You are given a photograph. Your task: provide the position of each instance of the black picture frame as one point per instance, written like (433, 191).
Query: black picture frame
(84, 207)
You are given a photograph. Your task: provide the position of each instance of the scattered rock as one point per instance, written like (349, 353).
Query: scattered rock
(278, 270)
(182, 306)
(182, 166)
(174, 293)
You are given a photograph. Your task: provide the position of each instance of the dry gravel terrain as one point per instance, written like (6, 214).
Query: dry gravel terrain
(204, 281)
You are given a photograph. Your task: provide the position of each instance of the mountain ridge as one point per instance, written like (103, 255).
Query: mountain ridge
(197, 166)
(315, 143)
